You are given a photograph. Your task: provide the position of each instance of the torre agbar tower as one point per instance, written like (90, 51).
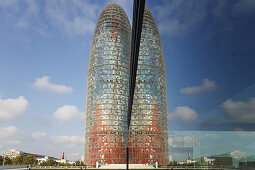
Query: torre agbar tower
(106, 134)
(149, 121)
(107, 88)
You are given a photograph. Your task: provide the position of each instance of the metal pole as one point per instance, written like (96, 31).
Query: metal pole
(138, 9)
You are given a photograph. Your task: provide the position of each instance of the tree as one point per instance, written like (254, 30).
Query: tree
(7, 161)
(18, 160)
(170, 163)
(29, 160)
(1, 160)
(61, 164)
(43, 163)
(67, 164)
(191, 164)
(82, 163)
(51, 162)
(175, 163)
(197, 163)
(77, 163)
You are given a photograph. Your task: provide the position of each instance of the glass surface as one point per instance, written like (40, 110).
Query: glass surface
(106, 114)
(107, 88)
(194, 102)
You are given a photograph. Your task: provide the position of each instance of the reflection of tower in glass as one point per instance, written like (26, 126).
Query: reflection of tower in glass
(149, 122)
(185, 143)
(107, 88)
(192, 139)
(107, 94)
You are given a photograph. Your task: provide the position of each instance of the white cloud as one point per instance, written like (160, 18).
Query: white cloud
(178, 139)
(23, 15)
(12, 108)
(67, 113)
(38, 135)
(28, 15)
(44, 84)
(212, 136)
(238, 129)
(240, 111)
(9, 3)
(9, 131)
(42, 120)
(244, 7)
(178, 17)
(181, 17)
(12, 142)
(208, 85)
(244, 134)
(184, 114)
(66, 139)
(70, 145)
(73, 154)
(73, 17)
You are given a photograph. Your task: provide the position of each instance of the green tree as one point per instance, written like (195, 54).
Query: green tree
(82, 163)
(18, 160)
(29, 160)
(175, 163)
(1, 160)
(61, 164)
(43, 163)
(51, 162)
(67, 164)
(7, 161)
(191, 164)
(170, 163)
(77, 163)
(64, 164)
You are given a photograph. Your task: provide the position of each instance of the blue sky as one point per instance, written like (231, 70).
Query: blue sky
(44, 51)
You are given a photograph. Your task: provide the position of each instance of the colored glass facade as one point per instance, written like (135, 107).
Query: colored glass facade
(149, 121)
(107, 88)
(107, 94)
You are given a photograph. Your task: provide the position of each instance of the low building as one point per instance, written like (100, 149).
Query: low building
(222, 161)
(13, 153)
(191, 161)
(208, 161)
(237, 157)
(237, 154)
(247, 164)
(63, 161)
(45, 159)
